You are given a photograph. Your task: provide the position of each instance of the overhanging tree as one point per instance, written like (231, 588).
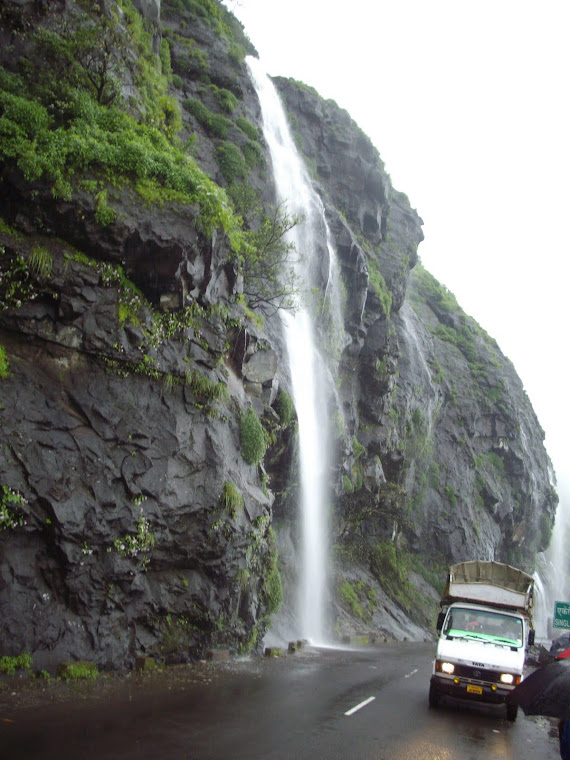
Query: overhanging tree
(269, 258)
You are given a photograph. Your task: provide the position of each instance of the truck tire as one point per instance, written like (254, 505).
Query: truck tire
(433, 697)
(512, 711)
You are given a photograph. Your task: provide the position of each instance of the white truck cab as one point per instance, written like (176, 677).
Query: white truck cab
(483, 631)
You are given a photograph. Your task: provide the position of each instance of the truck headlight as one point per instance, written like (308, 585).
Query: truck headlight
(507, 678)
(445, 667)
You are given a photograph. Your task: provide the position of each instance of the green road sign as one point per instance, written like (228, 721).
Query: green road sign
(561, 615)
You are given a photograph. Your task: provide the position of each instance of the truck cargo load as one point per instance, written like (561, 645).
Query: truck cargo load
(492, 583)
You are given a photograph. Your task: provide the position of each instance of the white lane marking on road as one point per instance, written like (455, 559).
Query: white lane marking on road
(411, 674)
(358, 707)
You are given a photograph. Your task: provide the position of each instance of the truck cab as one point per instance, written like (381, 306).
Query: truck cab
(483, 630)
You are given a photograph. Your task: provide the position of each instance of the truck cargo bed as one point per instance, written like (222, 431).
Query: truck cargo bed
(491, 583)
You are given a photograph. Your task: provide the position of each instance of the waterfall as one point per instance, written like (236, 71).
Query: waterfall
(557, 552)
(541, 604)
(310, 378)
(553, 568)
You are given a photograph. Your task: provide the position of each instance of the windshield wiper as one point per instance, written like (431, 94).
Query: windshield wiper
(481, 637)
(474, 636)
(464, 635)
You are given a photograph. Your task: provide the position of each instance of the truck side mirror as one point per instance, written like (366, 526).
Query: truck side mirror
(531, 637)
(440, 619)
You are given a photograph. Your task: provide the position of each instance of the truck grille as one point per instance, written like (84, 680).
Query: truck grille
(481, 674)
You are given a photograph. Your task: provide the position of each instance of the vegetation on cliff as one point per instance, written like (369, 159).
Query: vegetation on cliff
(63, 119)
(69, 118)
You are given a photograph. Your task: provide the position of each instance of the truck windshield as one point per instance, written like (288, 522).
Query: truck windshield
(488, 626)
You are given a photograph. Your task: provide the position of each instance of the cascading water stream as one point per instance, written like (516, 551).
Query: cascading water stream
(553, 569)
(541, 607)
(310, 378)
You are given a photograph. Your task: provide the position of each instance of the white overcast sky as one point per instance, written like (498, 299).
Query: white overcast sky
(468, 105)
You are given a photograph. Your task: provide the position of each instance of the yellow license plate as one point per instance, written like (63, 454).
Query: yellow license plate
(474, 689)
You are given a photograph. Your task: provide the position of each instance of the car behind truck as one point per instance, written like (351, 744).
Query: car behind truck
(483, 630)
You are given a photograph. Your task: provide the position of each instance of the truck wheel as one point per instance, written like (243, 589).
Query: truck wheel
(512, 711)
(433, 697)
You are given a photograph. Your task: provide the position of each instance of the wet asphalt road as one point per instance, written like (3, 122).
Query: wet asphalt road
(287, 709)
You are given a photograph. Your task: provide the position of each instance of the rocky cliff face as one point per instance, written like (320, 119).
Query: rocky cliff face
(148, 465)
(442, 457)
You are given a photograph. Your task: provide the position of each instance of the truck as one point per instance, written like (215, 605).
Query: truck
(483, 630)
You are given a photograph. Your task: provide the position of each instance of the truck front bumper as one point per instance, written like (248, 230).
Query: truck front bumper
(464, 688)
